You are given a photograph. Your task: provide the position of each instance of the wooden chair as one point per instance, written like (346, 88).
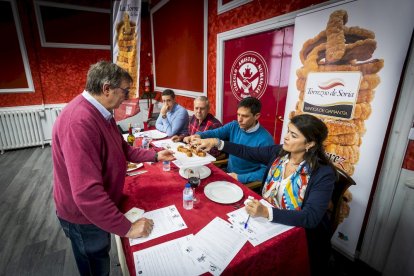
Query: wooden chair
(344, 181)
(221, 161)
(254, 185)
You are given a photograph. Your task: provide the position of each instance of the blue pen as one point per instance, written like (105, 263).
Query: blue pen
(245, 224)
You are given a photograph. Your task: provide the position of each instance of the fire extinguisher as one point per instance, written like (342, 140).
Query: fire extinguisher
(147, 85)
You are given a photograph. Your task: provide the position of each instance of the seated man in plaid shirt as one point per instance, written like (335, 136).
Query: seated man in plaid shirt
(202, 120)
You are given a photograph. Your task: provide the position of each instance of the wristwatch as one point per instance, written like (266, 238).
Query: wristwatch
(164, 116)
(220, 144)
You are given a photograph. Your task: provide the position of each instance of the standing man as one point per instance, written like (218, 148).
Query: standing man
(173, 118)
(89, 166)
(202, 120)
(246, 131)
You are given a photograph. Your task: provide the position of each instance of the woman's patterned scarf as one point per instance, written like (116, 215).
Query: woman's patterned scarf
(295, 188)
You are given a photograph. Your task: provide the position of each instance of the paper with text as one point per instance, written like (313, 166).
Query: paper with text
(167, 258)
(215, 245)
(166, 220)
(258, 229)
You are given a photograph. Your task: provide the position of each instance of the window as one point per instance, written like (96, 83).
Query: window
(70, 26)
(15, 69)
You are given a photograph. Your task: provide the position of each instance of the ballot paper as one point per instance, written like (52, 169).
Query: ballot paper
(258, 229)
(166, 220)
(214, 246)
(167, 258)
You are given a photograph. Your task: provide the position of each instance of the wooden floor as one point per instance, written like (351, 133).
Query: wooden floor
(31, 239)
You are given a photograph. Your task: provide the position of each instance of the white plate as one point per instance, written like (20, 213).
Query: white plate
(223, 192)
(138, 165)
(203, 170)
(183, 161)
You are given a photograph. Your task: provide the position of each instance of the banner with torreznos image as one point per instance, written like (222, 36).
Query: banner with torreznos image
(126, 39)
(347, 60)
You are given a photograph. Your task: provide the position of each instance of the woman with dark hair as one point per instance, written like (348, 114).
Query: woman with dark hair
(299, 181)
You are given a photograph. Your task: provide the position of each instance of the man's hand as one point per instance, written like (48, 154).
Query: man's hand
(205, 144)
(234, 175)
(164, 110)
(256, 209)
(190, 139)
(176, 138)
(140, 229)
(166, 155)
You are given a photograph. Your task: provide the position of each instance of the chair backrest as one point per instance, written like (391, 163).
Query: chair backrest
(221, 161)
(344, 181)
(254, 185)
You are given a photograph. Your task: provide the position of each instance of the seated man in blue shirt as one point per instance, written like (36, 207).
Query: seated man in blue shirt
(173, 118)
(246, 131)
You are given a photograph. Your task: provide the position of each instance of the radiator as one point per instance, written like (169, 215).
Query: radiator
(20, 129)
(54, 113)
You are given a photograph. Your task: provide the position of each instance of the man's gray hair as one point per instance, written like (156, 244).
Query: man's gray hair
(104, 72)
(203, 99)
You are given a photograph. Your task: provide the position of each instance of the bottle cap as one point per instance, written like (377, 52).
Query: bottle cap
(188, 185)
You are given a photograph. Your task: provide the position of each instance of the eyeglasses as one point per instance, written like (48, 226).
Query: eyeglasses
(126, 91)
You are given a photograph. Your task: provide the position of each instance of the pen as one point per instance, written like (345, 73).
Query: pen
(245, 224)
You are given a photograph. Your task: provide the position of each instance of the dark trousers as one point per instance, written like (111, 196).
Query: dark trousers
(90, 246)
(319, 249)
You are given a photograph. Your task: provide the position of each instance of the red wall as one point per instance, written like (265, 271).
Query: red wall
(255, 11)
(59, 74)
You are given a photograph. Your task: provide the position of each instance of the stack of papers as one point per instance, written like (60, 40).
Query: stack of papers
(210, 250)
(258, 230)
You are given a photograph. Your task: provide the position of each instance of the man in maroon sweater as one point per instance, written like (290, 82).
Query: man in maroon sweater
(89, 166)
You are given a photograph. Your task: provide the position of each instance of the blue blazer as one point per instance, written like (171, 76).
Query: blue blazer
(318, 192)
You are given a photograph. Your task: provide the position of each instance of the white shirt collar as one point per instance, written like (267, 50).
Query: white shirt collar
(253, 129)
(105, 113)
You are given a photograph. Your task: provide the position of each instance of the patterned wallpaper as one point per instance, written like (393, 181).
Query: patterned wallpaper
(59, 74)
(252, 12)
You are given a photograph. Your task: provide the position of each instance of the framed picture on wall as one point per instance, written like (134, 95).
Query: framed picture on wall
(226, 5)
(179, 44)
(72, 26)
(15, 70)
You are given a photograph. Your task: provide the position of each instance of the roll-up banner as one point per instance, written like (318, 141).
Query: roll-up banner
(126, 41)
(347, 61)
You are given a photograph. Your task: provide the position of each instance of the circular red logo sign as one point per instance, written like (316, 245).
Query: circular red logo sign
(249, 76)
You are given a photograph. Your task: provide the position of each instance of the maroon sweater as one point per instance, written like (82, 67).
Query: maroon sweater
(89, 166)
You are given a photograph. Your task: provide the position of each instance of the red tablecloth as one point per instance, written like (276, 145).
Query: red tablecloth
(285, 254)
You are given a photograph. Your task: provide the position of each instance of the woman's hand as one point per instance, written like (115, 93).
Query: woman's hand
(256, 209)
(205, 144)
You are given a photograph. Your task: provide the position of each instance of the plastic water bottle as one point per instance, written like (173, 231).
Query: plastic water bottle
(146, 142)
(188, 197)
(166, 167)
